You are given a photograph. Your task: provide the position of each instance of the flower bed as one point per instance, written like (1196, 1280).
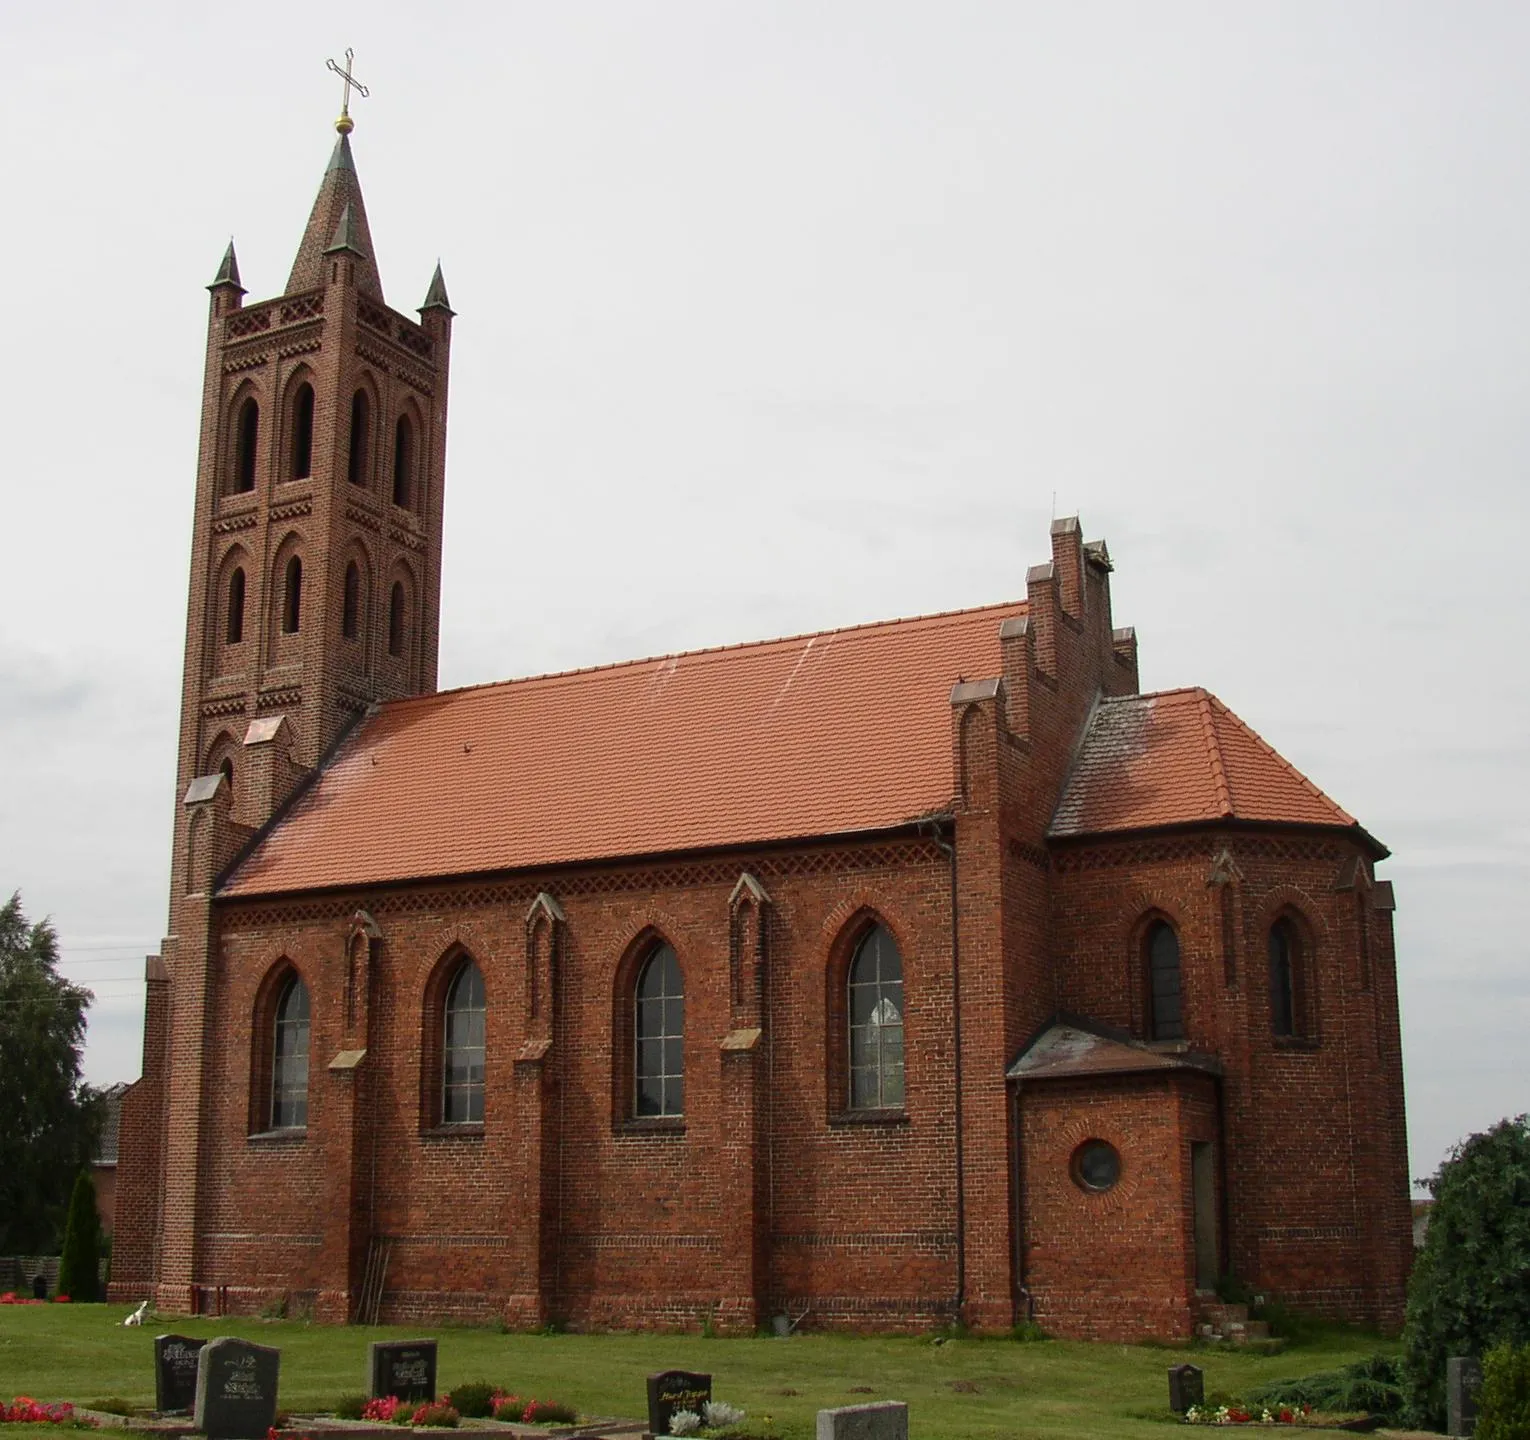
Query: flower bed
(24, 1410)
(12, 1298)
(1254, 1415)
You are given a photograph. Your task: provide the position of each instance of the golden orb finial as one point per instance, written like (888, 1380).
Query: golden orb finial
(345, 124)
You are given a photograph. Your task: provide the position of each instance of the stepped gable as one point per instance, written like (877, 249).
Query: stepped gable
(1180, 757)
(833, 733)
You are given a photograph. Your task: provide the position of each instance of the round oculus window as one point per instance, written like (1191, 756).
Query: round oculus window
(1096, 1166)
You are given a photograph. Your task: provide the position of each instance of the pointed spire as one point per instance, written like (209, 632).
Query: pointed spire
(338, 221)
(435, 297)
(228, 271)
(345, 234)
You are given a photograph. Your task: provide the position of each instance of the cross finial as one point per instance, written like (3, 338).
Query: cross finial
(345, 124)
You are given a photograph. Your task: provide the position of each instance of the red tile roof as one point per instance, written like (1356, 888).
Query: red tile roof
(1179, 757)
(843, 731)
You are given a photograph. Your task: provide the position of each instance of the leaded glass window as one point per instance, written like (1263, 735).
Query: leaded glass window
(463, 1050)
(659, 1087)
(876, 1023)
(289, 1061)
(1167, 1015)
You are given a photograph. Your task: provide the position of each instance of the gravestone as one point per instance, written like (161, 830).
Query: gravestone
(1463, 1379)
(175, 1371)
(39, 1287)
(885, 1420)
(1187, 1387)
(236, 1389)
(406, 1368)
(672, 1390)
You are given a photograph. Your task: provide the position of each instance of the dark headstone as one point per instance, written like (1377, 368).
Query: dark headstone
(406, 1368)
(672, 1390)
(1463, 1379)
(236, 1389)
(175, 1371)
(39, 1287)
(1187, 1387)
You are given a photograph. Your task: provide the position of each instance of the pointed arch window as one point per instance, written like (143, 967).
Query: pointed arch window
(403, 462)
(463, 1048)
(234, 620)
(292, 597)
(302, 431)
(875, 1008)
(289, 1058)
(246, 433)
(350, 602)
(1165, 1005)
(361, 417)
(226, 770)
(659, 1072)
(396, 619)
(1285, 979)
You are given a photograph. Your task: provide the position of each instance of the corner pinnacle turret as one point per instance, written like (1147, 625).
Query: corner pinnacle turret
(228, 271)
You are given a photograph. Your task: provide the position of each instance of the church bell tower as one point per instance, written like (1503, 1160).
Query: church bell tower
(316, 549)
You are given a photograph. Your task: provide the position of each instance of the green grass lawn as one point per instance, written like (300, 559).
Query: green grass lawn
(959, 1390)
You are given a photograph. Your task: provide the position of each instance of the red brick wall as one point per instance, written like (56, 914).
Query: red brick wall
(1118, 1264)
(1316, 1146)
(857, 1218)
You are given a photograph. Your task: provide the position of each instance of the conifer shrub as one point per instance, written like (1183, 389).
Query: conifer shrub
(79, 1265)
(475, 1400)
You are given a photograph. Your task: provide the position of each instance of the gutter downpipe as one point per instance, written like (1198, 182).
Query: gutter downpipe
(949, 850)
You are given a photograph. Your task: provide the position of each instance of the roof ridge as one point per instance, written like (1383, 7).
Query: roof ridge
(1151, 695)
(1214, 753)
(1275, 755)
(705, 651)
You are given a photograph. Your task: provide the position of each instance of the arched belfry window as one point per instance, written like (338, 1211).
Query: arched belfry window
(1160, 946)
(292, 597)
(350, 602)
(397, 619)
(462, 1048)
(246, 433)
(234, 626)
(289, 1058)
(361, 418)
(659, 1074)
(1285, 978)
(875, 1009)
(403, 462)
(302, 431)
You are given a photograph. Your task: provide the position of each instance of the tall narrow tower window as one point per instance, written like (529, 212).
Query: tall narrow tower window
(403, 462)
(350, 607)
(292, 597)
(356, 466)
(246, 432)
(235, 627)
(1166, 1019)
(302, 432)
(396, 619)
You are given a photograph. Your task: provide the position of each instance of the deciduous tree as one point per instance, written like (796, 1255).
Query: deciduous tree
(49, 1117)
(1470, 1288)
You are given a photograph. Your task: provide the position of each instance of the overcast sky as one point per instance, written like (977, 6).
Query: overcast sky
(781, 316)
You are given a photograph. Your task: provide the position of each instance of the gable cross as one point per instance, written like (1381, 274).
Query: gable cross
(345, 124)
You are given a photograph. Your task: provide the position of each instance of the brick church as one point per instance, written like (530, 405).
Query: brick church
(881, 977)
